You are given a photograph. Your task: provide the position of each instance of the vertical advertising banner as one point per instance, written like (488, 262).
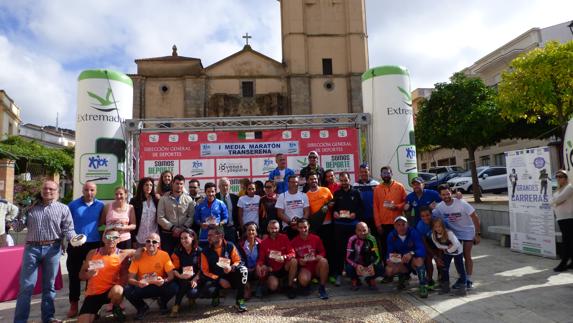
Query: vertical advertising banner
(386, 96)
(531, 220)
(208, 156)
(105, 99)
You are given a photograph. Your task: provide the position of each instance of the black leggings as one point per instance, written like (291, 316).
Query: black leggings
(238, 279)
(566, 227)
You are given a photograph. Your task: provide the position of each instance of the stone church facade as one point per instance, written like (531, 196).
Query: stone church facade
(324, 49)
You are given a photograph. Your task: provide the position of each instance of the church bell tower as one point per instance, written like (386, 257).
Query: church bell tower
(325, 51)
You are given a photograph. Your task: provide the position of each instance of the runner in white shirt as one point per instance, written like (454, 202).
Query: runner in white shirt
(291, 206)
(249, 206)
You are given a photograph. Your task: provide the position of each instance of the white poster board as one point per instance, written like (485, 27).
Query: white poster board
(531, 220)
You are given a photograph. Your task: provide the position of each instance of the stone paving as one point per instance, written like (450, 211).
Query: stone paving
(508, 287)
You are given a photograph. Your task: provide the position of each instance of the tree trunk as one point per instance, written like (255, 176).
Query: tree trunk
(473, 169)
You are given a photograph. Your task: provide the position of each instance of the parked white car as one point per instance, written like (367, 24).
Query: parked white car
(491, 179)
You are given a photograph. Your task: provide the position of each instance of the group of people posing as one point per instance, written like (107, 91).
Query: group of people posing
(168, 243)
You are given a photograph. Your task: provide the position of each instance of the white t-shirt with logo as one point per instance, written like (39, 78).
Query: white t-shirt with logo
(250, 206)
(292, 204)
(457, 218)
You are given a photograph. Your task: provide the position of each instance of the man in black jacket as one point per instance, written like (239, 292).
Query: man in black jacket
(230, 201)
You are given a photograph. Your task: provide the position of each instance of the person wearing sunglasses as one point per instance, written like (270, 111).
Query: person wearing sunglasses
(562, 203)
(102, 271)
(151, 276)
(194, 191)
(267, 209)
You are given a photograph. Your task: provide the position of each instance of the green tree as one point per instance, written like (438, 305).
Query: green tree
(53, 159)
(538, 86)
(461, 114)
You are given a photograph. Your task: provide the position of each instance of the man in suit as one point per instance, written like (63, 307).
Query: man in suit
(231, 201)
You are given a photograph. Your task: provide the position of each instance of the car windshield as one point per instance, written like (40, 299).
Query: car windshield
(469, 173)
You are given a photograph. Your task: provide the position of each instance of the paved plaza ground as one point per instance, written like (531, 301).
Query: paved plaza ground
(509, 287)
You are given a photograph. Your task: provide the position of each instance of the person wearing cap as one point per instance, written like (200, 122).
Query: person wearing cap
(366, 185)
(405, 254)
(281, 174)
(389, 201)
(562, 203)
(461, 218)
(312, 167)
(420, 197)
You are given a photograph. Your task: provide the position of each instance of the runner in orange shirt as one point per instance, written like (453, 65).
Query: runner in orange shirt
(389, 201)
(102, 269)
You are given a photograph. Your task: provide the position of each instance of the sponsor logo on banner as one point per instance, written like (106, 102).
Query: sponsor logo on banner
(338, 163)
(287, 134)
(153, 138)
(263, 166)
(249, 149)
(212, 136)
(193, 137)
(407, 162)
(323, 134)
(154, 168)
(305, 134)
(173, 138)
(342, 133)
(233, 167)
(98, 168)
(198, 168)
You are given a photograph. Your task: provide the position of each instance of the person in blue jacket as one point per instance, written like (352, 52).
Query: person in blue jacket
(420, 197)
(210, 212)
(405, 254)
(281, 174)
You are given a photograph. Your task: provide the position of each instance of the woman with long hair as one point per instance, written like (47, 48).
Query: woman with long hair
(145, 206)
(249, 250)
(186, 258)
(120, 216)
(164, 183)
(267, 210)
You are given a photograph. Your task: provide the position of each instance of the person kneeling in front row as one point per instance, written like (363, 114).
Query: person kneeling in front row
(102, 269)
(151, 276)
(310, 254)
(222, 267)
(363, 258)
(406, 254)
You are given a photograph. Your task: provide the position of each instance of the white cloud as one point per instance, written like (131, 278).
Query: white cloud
(45, 44)
(37, 84)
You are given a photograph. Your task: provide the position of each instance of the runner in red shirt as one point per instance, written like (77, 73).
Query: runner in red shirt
(310, 255)
(276, 259)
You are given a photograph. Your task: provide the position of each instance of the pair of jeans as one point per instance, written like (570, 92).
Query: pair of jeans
(185, 289)
(136, 295)
(49, 258)
(351, 271)
(458, 262)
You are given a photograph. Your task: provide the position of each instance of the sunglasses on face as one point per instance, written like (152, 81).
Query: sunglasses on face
(312, 157)
(151, 241)
(561, 176)
(268, 187)
(111, 237)
(193, 187)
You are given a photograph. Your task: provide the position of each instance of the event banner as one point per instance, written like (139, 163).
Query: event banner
(208, 156)
(531, 220)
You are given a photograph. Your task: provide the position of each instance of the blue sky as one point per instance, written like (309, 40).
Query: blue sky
(44, 45)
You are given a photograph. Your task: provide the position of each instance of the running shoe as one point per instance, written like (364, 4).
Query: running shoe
(469, 284)
(354, 284)
(322, 292)
(291, 292)
(431, 285)
(215, 301)
(402, 281)
(423, 291)
(118, 313)
(174, 311)
(372, 284)
(458, 284)
(141, 312)
(241, 306)
(338, 281)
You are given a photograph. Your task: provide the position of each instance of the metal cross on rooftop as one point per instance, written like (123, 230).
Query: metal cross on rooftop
(247, 37)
